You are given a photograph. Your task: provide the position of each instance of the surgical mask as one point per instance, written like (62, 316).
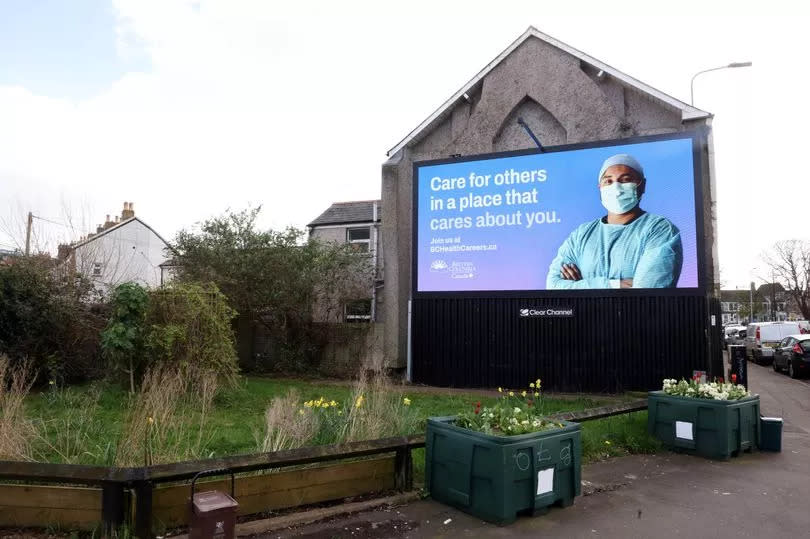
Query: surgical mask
(619, 197)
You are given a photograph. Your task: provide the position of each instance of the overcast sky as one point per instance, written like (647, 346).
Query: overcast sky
(188, 108)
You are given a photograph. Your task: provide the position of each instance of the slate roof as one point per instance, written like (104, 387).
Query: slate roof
(688, 112)
(358, 211)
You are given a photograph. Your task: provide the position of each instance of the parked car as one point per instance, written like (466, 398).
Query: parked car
(762, 337)
(793, 355)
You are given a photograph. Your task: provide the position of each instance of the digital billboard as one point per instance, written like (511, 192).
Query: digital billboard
(613, 215)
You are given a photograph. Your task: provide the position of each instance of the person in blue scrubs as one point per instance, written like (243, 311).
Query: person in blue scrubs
(627, 248)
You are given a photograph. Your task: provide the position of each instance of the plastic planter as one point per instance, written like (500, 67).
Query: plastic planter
(710, 428)
(496, 477)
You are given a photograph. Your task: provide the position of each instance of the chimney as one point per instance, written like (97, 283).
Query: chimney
(99, 229)
(128, 212)
(63, 251)
(107, 222)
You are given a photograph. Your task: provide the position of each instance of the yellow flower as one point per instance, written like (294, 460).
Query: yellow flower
(607, 442)
(511, 393)
(308, 404)
(406, 401)
(536, 394)
(500, 390)
(531, 385)
(523, 394)
(51, 382)
(359, 402)
(333, 404)
(150, 420)
(340, 412)
(537, 383)
(301, 411)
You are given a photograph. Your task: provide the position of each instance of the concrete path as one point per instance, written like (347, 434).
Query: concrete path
(760, 495)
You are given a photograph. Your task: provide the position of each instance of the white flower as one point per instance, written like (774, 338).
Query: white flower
(517, 410)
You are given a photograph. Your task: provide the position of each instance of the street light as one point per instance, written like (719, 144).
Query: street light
(729, 66)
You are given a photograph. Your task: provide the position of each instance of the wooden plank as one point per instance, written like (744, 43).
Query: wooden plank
(284, 489)
(604, 411)
(50, 497)
(40, 506)
(283, 480)
(63, 473)
(305, 455)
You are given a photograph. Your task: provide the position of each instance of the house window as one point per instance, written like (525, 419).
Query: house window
(358, 311)
(359, 238)
(97, 269)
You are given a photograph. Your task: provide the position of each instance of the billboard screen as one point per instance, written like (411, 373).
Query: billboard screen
(613, 215)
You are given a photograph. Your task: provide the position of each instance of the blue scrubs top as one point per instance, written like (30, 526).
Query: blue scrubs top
(647, 250)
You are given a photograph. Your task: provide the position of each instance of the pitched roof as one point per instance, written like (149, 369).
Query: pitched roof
(688, 112)
(117, 226)
(358, 211)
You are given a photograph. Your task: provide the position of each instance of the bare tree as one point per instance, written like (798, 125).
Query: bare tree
(789, 260)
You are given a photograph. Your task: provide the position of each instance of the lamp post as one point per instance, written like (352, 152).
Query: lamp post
(729, 66)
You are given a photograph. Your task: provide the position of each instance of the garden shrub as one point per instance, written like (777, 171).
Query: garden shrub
(50, 318)
(186, 326)
(122, 339)
(189, 327)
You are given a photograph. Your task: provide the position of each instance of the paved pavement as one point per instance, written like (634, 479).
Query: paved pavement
(759, 495)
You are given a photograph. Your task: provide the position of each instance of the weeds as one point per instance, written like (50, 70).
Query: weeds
(69, 437)
(160, 423)
(373, 410)
(285, 427)
(16, 432)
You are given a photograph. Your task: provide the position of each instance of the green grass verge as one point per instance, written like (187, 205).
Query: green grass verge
(236, 421)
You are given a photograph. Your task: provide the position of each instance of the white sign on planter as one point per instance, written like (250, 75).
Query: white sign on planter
(545, 481)
(683, 430)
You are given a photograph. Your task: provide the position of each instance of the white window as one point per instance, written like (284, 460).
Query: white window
(360, 238)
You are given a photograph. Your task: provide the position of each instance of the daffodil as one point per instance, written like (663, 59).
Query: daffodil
(150, 420)
(531, 385)
(406, 401)
(536, 394)
(523, 394)
(500, 390)
(359, 402)
(511, 393)
(332, 403)
(301, 411)
(607, 442)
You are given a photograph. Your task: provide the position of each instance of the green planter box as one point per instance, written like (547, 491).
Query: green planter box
(710, 428)
(496, 477)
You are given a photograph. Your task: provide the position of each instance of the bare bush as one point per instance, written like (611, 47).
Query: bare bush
(377, 410)
(166, 422)
(16, 432)
(287, 425)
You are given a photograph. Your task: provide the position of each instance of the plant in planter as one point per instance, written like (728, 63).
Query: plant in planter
(715, 420)
(497, 461)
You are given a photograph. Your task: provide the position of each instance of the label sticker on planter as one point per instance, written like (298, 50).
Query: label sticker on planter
(683, 430)
(545, 481)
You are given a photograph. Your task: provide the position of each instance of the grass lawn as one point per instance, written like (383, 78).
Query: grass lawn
(236, 421)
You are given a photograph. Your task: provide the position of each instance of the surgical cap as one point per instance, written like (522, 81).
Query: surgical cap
(622, 159)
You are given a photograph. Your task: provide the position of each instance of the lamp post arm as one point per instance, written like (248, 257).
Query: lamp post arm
(692, 83)
(731, 65)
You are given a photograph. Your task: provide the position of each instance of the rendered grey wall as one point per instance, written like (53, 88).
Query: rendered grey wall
(563, 101)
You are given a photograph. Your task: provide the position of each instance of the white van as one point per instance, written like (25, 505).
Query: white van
(762, 337)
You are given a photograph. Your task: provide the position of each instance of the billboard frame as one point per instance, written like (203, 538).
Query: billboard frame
(699, 142)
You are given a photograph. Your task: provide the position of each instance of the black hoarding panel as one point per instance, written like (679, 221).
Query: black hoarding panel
(604, 344)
